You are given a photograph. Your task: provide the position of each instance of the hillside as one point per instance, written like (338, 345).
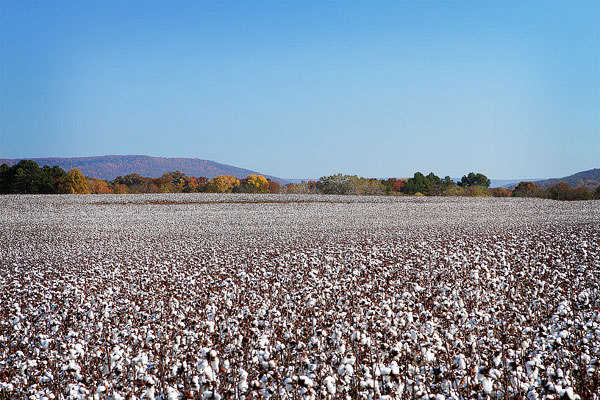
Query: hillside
(109, 167)
(589, 178)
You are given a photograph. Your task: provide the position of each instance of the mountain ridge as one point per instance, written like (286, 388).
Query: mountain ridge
(108, 167)
(589, 178)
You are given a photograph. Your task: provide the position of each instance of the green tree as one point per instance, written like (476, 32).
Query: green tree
(337, 184)
(26, 178)
(416, 184)
(475, 179)
(4, 178)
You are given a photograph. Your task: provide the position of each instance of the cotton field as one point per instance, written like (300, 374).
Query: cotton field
(298, 297)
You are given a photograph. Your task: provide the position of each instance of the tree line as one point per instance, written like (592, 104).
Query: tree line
(27, 177)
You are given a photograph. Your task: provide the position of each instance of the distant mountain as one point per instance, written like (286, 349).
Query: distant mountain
(589, 178)
(509, 182)
(109, 167)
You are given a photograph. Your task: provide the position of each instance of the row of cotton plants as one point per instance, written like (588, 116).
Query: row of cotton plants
(298, 297)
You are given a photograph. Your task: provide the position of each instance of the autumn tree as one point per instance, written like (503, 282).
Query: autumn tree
(581, 192)
(75, 183)
(369, 187)
(290, 188)
(274, 187)
(222, 184)
(98, 186)
(393, 185)
(254, 184)
(500, 192)
(198, 183)
(527, 189)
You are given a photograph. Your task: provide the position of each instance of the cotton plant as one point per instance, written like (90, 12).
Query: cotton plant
(340, 298)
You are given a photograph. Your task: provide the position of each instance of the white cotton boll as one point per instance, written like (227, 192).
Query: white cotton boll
(210, 374)
(289, 384)
(73, 354)
(529, 365)
(496, 374)
(570, 393)
(172, 393)
(149, 380)
(460, 362)
(341, 369)
(532, 395)
(497, 360)
(79, 349)
(330, 384)
(534, 374)
(101, 389)
(429, 356)
(487, 385)
(585, 358)
(215, 364)
(211, 395)
(305, 381)
(367, 384)
(440, 397)
(195, 382)
(202, 365)
(349, 369)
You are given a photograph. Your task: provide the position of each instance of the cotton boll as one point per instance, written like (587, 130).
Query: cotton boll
(172, 393)
(330, 384)
(460, 362)
(487, 385)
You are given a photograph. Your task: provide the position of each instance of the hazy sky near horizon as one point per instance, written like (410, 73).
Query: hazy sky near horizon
(302, 89)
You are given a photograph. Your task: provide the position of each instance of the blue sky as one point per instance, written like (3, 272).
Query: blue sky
(303, 89)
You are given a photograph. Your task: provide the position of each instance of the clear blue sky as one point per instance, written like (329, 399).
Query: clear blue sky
(307, 88)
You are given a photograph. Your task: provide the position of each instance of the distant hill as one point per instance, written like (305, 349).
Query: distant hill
(109, 167)
(589, 178)
(508, 182)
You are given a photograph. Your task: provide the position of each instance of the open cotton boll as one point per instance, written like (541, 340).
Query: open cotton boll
(487, 385)
(172, 393)
(211, 395)
(330, 384)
